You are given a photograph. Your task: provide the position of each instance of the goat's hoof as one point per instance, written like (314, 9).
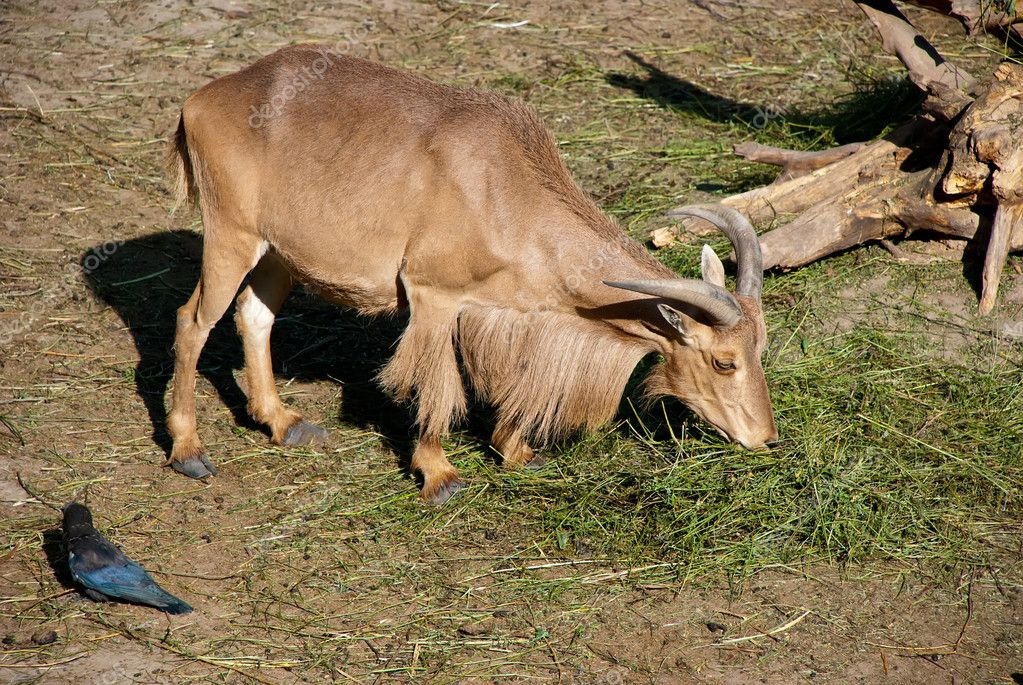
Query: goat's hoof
(528, 459)
(537, 462)
(303, 433)
(197, 467)
(442, 493)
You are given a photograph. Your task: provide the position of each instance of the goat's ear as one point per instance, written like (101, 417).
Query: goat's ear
(711, 268)
(676, 320)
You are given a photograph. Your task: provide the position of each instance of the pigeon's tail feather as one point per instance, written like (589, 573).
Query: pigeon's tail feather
(156, 596)
(149, 593)
(177, 607)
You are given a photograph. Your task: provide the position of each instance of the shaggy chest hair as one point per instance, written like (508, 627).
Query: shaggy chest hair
(550, 373)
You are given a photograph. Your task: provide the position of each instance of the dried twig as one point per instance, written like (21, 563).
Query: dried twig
(25, 486)
(769, 633)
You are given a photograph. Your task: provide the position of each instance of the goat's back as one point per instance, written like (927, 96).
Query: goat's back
(350, 168)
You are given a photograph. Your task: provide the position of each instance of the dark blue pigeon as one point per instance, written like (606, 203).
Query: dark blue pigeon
(105, 571)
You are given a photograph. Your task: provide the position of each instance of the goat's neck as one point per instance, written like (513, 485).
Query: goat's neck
(629, 317)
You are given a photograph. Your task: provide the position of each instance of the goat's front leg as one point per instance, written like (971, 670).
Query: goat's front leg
(440, 478)
(515, 453)
(424, 367)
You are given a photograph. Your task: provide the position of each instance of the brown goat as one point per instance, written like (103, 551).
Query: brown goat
(386, 191)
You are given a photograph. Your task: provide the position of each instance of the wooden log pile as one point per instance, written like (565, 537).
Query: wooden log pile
(955, 170)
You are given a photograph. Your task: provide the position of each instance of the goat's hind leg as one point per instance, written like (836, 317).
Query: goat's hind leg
(256, 309)
(228, 255)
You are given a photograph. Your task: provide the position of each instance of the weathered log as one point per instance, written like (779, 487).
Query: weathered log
(946, 84)
(986, 161)
(893, 206)
(798, 194)
(1007, 218)
(956, 170)
(826, 228)
(916, 214)
(989, 134)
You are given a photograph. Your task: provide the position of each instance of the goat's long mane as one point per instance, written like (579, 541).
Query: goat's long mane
(548, 373)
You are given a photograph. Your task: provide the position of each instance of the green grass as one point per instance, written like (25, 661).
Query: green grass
(884, 456)
(889, 453)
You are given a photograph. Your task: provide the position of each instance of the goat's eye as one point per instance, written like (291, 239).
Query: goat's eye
(724, 365)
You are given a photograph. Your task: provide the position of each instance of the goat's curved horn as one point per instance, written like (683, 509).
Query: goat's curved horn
(749, 260)
(716, 302)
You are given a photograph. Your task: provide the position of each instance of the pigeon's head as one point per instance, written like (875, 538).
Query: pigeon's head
(77, 518)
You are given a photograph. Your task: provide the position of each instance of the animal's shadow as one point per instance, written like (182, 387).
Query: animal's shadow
(865, 113)
(56, 557)
(146, 279)
(677, 93)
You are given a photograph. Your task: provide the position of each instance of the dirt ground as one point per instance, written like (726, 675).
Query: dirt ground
(92, 266)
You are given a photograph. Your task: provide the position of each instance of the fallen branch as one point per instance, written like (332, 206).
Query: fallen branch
(1008, 219)
(796, 195)
(945, 83)
(794, 163)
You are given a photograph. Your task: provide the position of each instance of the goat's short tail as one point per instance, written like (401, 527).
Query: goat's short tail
(179, 167)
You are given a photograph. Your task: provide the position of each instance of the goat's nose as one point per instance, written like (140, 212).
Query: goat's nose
(761, 442)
